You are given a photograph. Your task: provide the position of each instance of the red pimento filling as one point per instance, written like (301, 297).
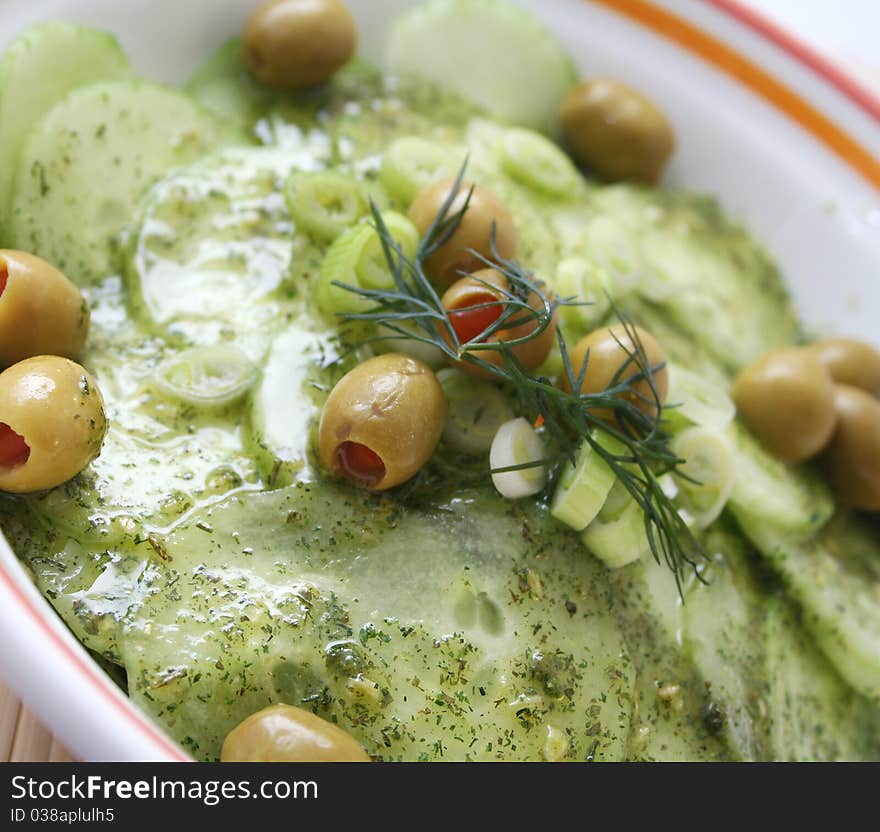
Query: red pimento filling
(4, 276)
(360, 464)
(13, 449)
(468, 322)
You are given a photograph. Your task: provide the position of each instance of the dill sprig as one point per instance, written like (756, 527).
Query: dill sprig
(633, 444)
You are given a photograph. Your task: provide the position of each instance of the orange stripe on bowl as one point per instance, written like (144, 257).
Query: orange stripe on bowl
(715, 52)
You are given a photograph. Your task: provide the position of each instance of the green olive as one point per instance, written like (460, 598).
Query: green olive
(851, 362)
(852, 459)
(786, 398)
(468, 322)
(41, 311)
(615, 131)
(284, 734)
(52, 423)
(484, 212)
(613, 350)
(382, 421)
(292, 44)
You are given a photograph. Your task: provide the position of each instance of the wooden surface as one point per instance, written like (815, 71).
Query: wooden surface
(22, 738)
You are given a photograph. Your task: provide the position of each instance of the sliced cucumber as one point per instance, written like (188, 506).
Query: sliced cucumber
(669, 721)
(286, 404)
(616, 250)
(40, 68)
(676, 250)
(834, 576)
(720, 622)
(813, 714)
(492, 53)
(705, 273)
(89, 160)
(768, 493)
(223, 85)
(246, 250)
(476, 410)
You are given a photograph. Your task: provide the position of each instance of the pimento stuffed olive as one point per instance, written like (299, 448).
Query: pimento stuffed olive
(41, 311)
(52, 423)
(382, 422)
(477, 302)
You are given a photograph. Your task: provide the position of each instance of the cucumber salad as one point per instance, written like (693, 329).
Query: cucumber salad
(395, 412)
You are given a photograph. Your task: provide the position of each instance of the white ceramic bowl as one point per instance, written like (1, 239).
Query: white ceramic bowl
(789, 145)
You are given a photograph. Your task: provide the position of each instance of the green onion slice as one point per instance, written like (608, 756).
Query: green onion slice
(517, 443)
(357, 258)
(538, 163)
(325, 204)
(212, 376)
(698, 401)
(617, 536)
(583, 489)
(709, 461)
(411, 164)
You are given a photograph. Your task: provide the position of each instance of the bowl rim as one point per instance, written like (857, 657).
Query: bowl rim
(851, 86)
(19, 596)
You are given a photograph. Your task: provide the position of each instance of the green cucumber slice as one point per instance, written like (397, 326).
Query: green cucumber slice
(768, 493)
(89, 160)
(476, 410)
(223, 85)
(228, 285)
(834, 576)
(720, 622)
(285, 405)
(40, 68)
(805, 697)
(492, 53)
